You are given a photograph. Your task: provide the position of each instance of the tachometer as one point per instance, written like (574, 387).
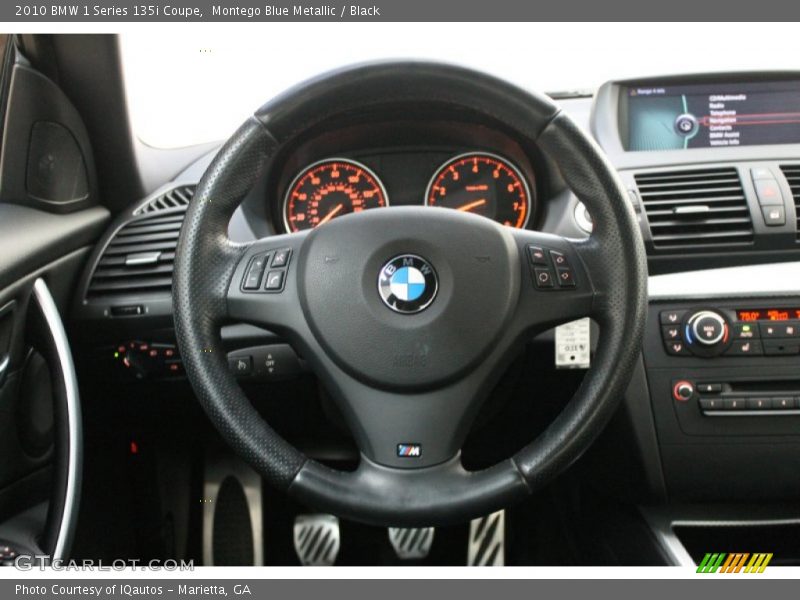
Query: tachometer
(484, 184)
(331, 188)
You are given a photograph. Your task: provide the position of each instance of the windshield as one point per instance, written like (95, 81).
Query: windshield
(190, 86)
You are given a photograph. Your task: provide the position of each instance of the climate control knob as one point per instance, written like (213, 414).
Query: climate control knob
(707, 328)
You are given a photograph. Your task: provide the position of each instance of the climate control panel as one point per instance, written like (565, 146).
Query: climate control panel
(709, 331)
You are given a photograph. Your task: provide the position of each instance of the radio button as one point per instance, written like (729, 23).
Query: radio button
(745, 331)
(671, 317)
(746, 348)
(711, 403)
(734, 403)
(784, 403)
(709, 388)
(759, 403)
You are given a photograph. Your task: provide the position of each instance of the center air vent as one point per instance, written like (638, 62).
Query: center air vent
(792, 174)
(695, 208)
(138, 258)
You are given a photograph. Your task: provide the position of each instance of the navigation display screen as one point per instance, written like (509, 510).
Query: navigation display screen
(675, 117)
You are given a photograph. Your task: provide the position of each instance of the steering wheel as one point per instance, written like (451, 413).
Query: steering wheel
(409, 315)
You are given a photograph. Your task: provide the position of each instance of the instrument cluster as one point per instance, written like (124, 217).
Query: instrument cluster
(481, 182)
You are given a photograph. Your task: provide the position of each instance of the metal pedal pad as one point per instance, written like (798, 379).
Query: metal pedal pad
(411, 544)
(316, 540)
(487, 541)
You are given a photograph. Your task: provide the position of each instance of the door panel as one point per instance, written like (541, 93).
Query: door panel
(50, 219)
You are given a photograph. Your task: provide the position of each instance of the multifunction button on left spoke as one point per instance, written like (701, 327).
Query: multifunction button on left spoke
(255, 271)
(275, 263)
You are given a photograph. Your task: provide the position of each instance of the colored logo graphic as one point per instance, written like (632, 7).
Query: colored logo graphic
(738, 562)
(409, 450)
(407, 284)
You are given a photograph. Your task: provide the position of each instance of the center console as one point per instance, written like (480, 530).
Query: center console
(724, 381)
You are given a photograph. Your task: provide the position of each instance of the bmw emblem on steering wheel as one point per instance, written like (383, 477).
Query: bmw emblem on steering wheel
(408, 284)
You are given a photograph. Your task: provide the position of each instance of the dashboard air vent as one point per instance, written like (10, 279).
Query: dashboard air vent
(792, 174)
(695, 208)
(174, 198)
(139, 257)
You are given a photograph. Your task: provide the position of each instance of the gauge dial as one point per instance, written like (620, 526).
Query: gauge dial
(331, 188)
(484, 184)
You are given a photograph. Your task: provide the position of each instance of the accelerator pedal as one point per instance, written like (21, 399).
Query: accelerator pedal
(487, 541)
(316, 540)
(411, 544)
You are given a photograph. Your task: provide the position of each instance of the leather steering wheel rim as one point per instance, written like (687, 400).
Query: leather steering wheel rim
(208, 266)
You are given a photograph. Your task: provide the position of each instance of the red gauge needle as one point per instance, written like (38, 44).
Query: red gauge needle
(472, 205)
(331, 214)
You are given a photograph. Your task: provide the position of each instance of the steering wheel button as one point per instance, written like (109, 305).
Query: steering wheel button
(559, 260)
(240, 365)
(281, 257)
(536, 255)
(565, 278)
(252, 279)
(274, 281)
(543, 278)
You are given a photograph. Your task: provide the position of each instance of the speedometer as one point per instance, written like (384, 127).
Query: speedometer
(331, 188)
(484, 184)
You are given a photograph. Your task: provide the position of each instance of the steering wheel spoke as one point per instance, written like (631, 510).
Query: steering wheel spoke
(407, 429)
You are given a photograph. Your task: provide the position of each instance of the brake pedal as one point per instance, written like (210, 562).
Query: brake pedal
(411, 544)
(316, 540)
(487, 541)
